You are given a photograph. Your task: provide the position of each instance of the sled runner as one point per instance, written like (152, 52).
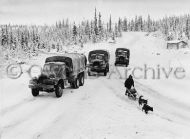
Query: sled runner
(131, 93)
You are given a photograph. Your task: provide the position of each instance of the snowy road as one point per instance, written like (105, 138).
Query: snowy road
(98, 110)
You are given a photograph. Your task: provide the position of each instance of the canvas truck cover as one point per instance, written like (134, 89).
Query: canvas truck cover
(76, 62)
(105, 52)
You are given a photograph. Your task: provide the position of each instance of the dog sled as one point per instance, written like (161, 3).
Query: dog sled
(134, 95)
(131, 93)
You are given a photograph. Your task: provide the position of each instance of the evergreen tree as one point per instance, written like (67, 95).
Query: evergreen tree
(95, 24)
(3, 37)
(22, 41)
(100, 27)
(110, 25)
(149, 24)
(116, 32)
(125, 26)
(87, 30)
(107, 27)
(74, 30)
(10, 38)
(59, 24)
(74, 33)
(187, 27)
(63, 23)
(67, 23)
(132, 25)
(119, 27)
(140, 25)
(136, 24)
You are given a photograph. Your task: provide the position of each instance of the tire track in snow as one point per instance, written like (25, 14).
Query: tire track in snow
(76, 107)
(148, 92)
(98, 106)
(119, 93)
(13, 107)
(28, 100)
(154, 95)
(30, 112)
(166, 104)
(132, 102)
(25, 117)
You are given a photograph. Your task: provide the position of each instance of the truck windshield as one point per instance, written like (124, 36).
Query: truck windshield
(97, 56)
(124, 53)
(51, 69)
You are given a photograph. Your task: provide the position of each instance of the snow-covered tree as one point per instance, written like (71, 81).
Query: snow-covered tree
(110, 24)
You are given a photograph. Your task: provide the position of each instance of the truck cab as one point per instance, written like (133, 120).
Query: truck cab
(54, 70)
(51, 79)
(122, 56)
(98, 61)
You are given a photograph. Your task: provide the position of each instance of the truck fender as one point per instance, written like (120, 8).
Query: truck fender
(61, 81)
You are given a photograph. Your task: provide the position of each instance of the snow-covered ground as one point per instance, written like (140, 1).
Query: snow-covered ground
(100, 109)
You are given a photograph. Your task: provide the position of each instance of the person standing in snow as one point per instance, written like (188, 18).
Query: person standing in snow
(129, 82)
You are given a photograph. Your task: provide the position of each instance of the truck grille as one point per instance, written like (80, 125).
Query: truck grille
(48, 81)
(96, 63)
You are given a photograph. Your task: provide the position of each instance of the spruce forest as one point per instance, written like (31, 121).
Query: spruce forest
(19, 40)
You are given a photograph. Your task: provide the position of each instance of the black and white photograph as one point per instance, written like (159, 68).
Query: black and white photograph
(94, 69)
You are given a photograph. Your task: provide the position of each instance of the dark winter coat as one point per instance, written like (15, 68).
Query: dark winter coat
(129, 83)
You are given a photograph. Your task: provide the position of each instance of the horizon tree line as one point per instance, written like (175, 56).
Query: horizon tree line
(29, 39)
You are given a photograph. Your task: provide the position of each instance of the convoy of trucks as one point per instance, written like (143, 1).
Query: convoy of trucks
(69, 68)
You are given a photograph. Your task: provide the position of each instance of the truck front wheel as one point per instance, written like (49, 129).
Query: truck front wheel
(58, 90)
(35, 92)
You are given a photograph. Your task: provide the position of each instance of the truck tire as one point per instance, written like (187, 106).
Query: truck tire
(127, 64)
(58, 91)
(35, 92)
(62, 85)
(75, 83)
(81, 83)
(105, 73)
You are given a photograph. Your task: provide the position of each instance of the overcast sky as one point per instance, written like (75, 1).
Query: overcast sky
(48, 11)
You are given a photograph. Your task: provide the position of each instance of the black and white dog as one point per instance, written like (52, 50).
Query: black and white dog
(147, 108)
(142, 101)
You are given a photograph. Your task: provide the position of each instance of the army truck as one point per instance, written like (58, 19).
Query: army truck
(98, 62)
(59, 70)
(122, 56)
